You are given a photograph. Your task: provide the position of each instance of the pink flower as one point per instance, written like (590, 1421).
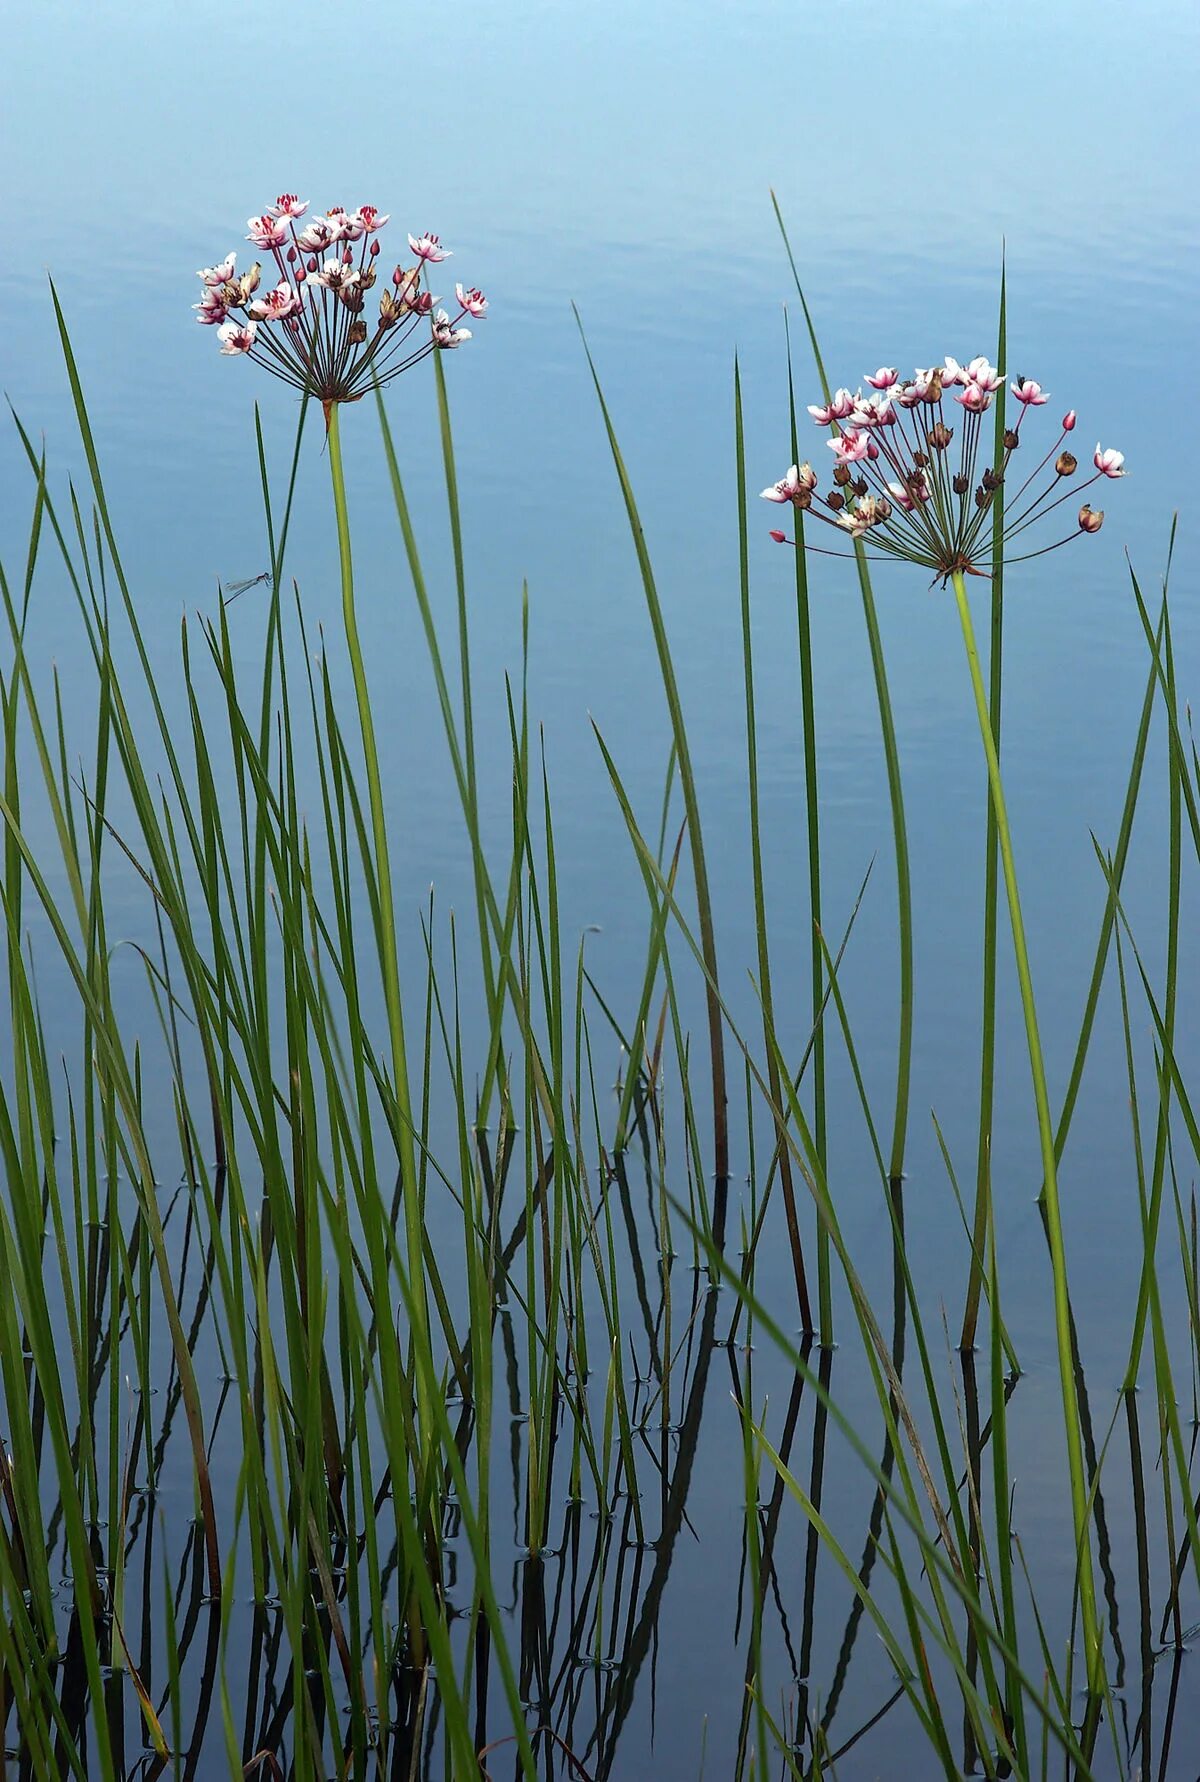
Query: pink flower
(370, 219)
(471, 301)
(337, 223)
(288, 205)
(907, 498)
(335, 275)
(1108, 463)
(1031, 394)
(1090, 520)
(883, 379)
(1069, 421)
(873, 411)
(351, 224)
(277, 305)
(213, 307)
(849, 447)
(840, 408)
(268, 231)
(214, 276)
(799, 478)
(954, 374)
(985, 376)
(444, 335)
(237, 337)
(428, 247)
(316, 236)
(975, 399)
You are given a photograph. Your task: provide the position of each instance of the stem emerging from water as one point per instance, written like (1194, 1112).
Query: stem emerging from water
(386, 936)
(1058, 1261)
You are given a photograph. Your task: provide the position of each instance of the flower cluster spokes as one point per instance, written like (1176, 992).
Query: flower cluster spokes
(897, 483)
(309, 327)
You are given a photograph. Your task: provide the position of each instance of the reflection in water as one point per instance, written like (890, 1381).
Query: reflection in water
(640, 1632)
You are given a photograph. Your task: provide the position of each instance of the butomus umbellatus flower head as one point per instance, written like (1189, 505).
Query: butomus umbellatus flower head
(309, 329)
(909, 495)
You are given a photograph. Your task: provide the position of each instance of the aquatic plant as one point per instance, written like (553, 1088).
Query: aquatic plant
(895, 482)
(310, 328)
(898, 485)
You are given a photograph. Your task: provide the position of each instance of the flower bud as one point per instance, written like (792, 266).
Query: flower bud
(1012, 439)
(779, 537)
(841, 475)
(291, 256)
(835, 500)
(961, 484)
(1066, 464)
(939, 436)
(348, 257)
(1068, 420)
(374, 250)
(1090, 520)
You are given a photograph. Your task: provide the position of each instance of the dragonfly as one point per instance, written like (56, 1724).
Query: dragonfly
(233, 589)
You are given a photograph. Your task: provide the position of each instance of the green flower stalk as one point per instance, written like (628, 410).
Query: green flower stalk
(898, 486)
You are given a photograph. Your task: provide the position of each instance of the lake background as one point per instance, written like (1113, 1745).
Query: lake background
(621, 159)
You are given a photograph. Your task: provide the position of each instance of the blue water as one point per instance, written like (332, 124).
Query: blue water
(621, 159)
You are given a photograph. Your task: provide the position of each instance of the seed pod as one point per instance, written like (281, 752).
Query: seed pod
(835, 500)
(1090, 520)
(961, 484)
(1066, 464)
(841, 475)
(920, 459)
(939, 436)
(1012, 439)
(992, 479)
(982, 497)
(860, 487)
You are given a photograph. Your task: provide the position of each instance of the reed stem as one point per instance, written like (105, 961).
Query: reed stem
(1058, 1261)
(388, 958)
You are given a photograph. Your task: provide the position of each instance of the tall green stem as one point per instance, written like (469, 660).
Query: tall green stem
(987, 1058)
(1058, 1260)
(812, 805)
(903, 879)
(389, 962)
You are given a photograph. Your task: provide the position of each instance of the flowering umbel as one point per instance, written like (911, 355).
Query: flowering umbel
(309, 327)
(901, 487)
